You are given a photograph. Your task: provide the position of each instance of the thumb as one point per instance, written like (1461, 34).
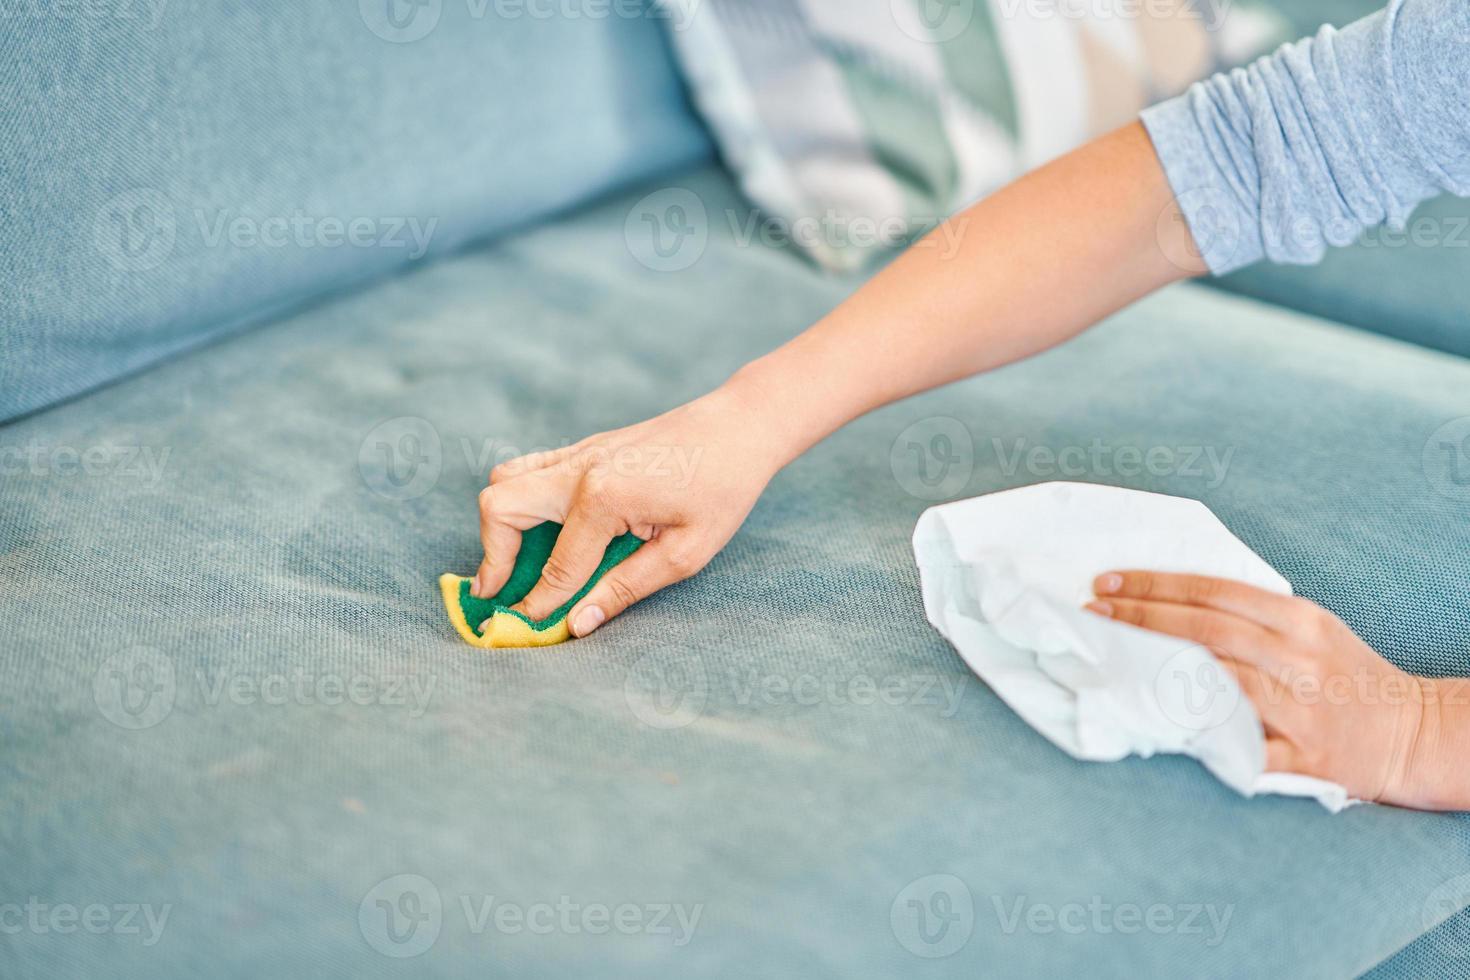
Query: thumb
(656, 564)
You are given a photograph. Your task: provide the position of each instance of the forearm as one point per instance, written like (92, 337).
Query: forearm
(1027, 268)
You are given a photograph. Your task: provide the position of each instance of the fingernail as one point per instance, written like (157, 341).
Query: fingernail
(1101, 608)
(588, 620)
(476, 589)
(1111, 582)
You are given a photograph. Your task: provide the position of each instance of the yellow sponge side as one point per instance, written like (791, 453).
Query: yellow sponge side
(503, 630)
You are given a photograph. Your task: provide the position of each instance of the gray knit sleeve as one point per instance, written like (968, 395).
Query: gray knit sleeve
(1328, 136)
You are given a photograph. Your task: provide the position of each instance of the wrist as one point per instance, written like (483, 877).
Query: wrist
(776, 406)
(1436, 772)
(752, 424)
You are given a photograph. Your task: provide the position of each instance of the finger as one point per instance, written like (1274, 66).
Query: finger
(1237, 598)
(1240, 638)
(657, 564)
(529, 463)
(575, 556)
(507, 509)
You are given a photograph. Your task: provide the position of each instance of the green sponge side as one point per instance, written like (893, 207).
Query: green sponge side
(536, 545)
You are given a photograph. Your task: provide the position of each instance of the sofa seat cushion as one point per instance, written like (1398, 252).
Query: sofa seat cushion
(228, 686)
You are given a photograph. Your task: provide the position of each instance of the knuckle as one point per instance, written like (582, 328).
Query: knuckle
(487, 501)
(1128, 612)
(681, 561)
(557, 575)
(1214, 632)
(1202, 590)
(622, 594)
(596, 488)
(1310, 620)
(1141, 585)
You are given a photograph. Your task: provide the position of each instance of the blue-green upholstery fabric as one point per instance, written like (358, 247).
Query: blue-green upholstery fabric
(714, 747)
(1412, 284)
(171, 171)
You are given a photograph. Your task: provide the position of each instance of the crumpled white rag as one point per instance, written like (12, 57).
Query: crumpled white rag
(1005, 577)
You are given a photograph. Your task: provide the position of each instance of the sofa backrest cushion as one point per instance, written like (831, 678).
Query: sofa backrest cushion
(169, 172)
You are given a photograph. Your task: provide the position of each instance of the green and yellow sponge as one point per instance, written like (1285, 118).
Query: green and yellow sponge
(491, 623)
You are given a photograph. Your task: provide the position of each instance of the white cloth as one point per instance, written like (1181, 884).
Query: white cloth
(1005, 577)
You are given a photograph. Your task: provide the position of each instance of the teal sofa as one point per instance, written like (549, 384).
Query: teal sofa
(238, 737)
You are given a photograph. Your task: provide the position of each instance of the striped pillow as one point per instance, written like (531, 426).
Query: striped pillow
(856, 124)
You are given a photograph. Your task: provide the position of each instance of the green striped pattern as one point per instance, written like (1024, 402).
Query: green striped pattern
(893, 114)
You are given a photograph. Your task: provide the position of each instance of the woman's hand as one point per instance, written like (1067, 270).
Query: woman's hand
(683, 482)
(1331, 707)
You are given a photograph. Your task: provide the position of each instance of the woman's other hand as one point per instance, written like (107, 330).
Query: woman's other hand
(1331, 706)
